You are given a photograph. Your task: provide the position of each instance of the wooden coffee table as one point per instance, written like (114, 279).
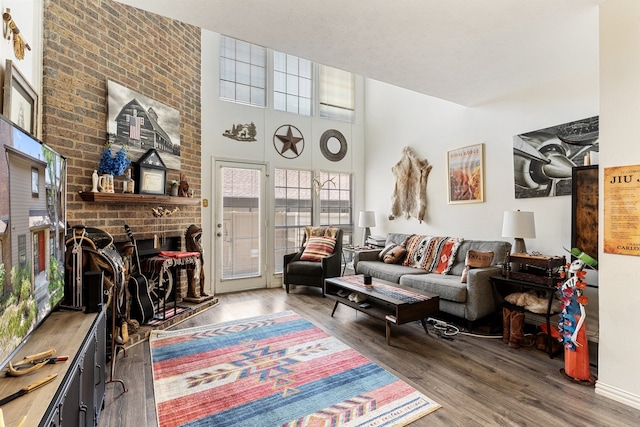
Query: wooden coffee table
(388, 301)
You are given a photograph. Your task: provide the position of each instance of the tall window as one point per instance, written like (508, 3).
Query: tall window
(292, 84)
(336, 202)
(337, 98)
(22, 250)
(243, 70)
(293, 211)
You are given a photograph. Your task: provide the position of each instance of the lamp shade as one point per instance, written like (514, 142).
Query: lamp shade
(518, 224)
(367, 219)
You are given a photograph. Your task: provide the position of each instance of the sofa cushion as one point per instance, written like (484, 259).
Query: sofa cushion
(433, 254)
(475, 259)
(446, 286)
(499, 248)
(389, 272)
(397, 238)
(304, 268)
(318, 248)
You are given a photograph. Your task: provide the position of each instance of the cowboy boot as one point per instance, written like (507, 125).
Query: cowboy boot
(506, 324)
(517, 329)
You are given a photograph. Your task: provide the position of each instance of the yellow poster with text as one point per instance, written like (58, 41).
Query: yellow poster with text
(622, 210)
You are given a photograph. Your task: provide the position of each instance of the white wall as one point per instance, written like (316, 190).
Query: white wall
(396, 117)
(618, 374)
(27, 15)
(218, 116)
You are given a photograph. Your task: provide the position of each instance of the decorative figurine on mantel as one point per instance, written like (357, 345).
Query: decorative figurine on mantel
(94, 181)
(184, 186)
(175, 186)
(128, 185)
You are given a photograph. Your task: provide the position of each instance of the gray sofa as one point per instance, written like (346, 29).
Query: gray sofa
(471, 300)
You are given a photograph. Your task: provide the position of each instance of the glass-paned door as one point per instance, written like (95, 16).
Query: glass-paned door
(240, 226)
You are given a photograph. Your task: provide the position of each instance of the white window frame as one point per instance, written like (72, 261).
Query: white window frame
(248, 87)
(294, 241)
(293, 84)
(336, 99)
(336, 186)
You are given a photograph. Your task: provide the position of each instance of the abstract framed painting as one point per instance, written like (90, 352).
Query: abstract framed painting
(465, 169)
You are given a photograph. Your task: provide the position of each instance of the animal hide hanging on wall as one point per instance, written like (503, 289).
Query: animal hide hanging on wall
(410, 193)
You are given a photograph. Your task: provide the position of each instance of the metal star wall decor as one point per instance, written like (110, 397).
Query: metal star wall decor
(288, 140)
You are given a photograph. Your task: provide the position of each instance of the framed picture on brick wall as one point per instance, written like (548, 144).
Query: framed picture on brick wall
(139, 123)
(20, 100)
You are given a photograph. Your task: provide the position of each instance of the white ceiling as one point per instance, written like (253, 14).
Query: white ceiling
(465, 51)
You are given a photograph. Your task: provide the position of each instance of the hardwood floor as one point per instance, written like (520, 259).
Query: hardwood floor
(478, 381)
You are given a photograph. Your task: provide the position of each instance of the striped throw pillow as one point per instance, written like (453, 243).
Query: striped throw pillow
(318, 248)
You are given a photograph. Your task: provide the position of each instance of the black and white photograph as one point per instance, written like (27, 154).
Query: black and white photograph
(543, 160)
(140, 123)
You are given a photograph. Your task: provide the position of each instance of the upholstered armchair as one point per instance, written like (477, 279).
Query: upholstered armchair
(309, 266)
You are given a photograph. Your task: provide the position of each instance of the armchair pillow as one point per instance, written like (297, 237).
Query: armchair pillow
(476, 259)
(318, 248)
(319, 232)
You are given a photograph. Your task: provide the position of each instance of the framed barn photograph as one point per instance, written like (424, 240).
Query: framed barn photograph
(465, 169)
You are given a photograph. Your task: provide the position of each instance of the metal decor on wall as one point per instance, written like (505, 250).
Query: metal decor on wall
(288, 141)
(242, 132)
(333, 145)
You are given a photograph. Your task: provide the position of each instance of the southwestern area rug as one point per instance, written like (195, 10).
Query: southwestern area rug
(274, 370)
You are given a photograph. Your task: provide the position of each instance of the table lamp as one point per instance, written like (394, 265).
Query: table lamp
(366, 219)
(519, 225)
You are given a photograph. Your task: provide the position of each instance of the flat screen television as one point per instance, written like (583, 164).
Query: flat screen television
(32, 228)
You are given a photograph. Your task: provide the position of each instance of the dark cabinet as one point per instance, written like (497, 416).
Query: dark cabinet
(584, 217)
(80, 397)
(76, 395)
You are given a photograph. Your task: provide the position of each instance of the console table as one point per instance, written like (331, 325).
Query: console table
(505, 286)
(76, 396)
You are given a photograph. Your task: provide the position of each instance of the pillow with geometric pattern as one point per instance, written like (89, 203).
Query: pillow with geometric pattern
(318, 248)
(392, 254)
(475, 259)
(386, 249)
(395, 255)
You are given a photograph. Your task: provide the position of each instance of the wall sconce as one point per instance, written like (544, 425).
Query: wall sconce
(366, 219)
(519, 225)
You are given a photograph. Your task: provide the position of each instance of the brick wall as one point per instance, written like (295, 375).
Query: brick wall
(86, 43)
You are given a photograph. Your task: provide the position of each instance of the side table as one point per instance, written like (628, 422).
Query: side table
(504, 286)
(352, 250)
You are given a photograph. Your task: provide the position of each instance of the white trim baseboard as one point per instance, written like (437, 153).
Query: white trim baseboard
(618, 395)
